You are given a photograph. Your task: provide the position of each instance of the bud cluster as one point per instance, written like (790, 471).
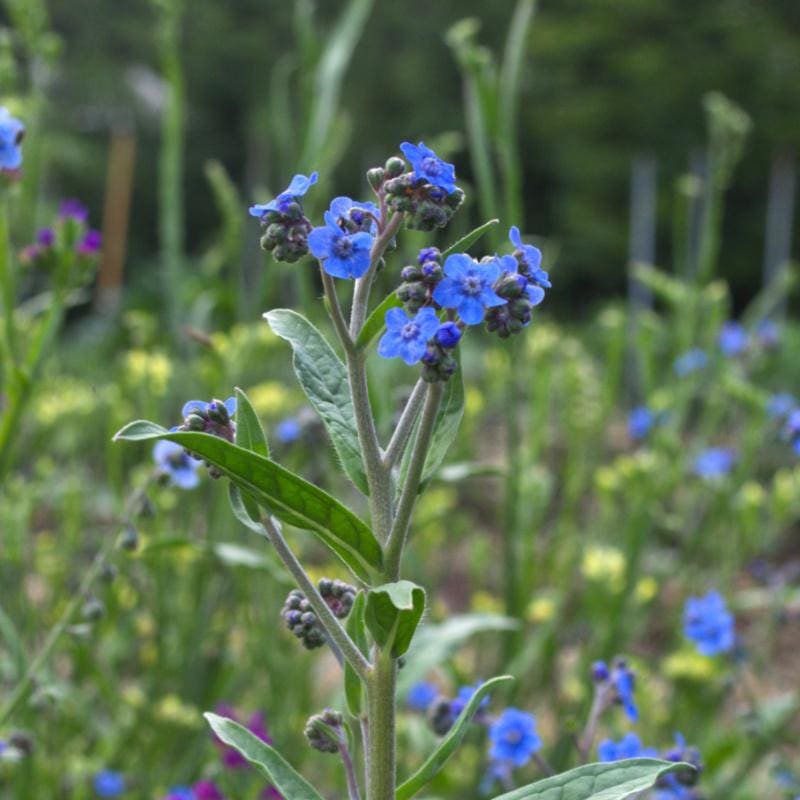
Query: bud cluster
(419, 280)
(427, 207)
(286, 235)
(324, 731)
(438, 363)
(300, 618)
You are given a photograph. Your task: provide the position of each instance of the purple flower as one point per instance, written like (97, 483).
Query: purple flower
(108, 783)
(175, 462)
(45, 237)
(231, 758)
(429, 167)
(629, 746)
(342, 254)
(407, 337)
(640, 422)
(291, 194)
(530, 258)
(421, 695)
(708, 623)
(732, 339)
(73, 209)
(513, 737)
(714, 462)
(467, 287)
(11, 134)
(207, 790)
(691, 361)
(90, 243)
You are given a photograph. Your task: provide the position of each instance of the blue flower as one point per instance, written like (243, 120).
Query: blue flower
(174, 461)
(448, 335)
(714, 462)
(513, 737)
(709, 624)
(679, 786)
(11, 133)
(421, 695)
(768, 333)
(624, 682)
(296, 189)
(465, 694)
(346, 211)
(108, 783)
(691, 361)
(288, 430)
(629, 746)
(781, 405)
(640, 422)
(343, 255)
(531, 258)
(429, 167)
(407, 337)
(180, 793)
(467, 287)
(732, 339)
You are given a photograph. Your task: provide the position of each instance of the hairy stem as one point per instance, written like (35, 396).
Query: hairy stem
(332, 626)
(405, 425)
(353, 792)
(335, 311)
(381, 712)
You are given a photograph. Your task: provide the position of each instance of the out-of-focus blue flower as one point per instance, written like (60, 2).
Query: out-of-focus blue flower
(407, 337)
(640, 422)
(421, 695)
(629, 746)
(180, 793)
(513, 737)
(768, 333)
(361, 216)
(342, 254)
(714, 462)
(174, 461)
(429, 167)
(780, 405)
(691, 361)
(467, 287)
(532, 259)
(624, 680)
(600, 672)
(108, 783)
(11, 134)
(288, 430)
(291, 194)
(709, 624)
(680, 786)
(448, 335)
(732, 338)
(465, 693)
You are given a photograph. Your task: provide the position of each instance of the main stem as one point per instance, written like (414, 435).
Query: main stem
(381, 756)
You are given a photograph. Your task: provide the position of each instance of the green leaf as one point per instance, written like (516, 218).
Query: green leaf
(434, 644)
(393, 612)
(245, 509)
(356, 627)
(278, 771)
(376, 321)
(465, 242)
(286, 495)
(249, 433)
(450, 743)
(614, 780)
(234, 555)
(323, 377)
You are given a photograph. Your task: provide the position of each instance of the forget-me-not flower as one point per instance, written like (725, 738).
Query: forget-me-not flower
(354, 214)
(780, 405)
(709, 624)
(467, 287)
(407, 337)
(732, 338)
(465, 694)
(768, 333)
(640, 422)
(421, 695)
(342, 254)
(288, 430)
(629, 746)
(531, 257)
(11, 133)
(714, 462)
(691, 361)
(174, 461)
(429, 167)
(108, 783)
(291, 194)
(513, 737)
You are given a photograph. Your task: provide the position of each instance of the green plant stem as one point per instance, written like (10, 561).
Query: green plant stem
(6, 294)
(405, 424)
(408, 496)
(381, 687)
(336, 314)
(332, 626)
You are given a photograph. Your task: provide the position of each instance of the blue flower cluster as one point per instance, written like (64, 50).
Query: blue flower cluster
(215, 418)
(709, 624)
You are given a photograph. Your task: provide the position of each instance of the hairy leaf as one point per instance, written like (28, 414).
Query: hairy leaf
(356, 627)
(393, 612)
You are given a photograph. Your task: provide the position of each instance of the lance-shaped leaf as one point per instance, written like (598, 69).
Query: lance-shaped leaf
(249, 433)
(450, 743)
(376, 321)
(286, 495)
(323, 377)
(614, 780)
(356, 627)
(393, 612)
(278, 771)
(465, 242)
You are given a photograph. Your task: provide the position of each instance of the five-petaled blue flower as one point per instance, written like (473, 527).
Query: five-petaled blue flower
(709, 624)
(407, 337)
(342, 254)
(513, 737)
(714, 462)
(174, 461)
(532, 258)
(467, 287)
(108, 783)
(732, 339)
(364, 215)
(691, 361)
(428, 166)
(629, 746)
(296, 189)
(640, 422)
(11, 133)
(421, 695)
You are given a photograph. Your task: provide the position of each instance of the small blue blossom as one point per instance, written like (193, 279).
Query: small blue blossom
(691, 361)
(108, 783)
(640, 422)
(600, 672)
(465, 694)
(288, 430)
(291, 194)
(429, 167)
(781, 405)
(180, 793)
(624, 682)
(709, 624)
(531, 258)
(342, 254)
(363, 216)
(175, 462)
(467, 287)
(428, 254)
(680, 786)
(714, 462)
(448, 335)
(732, 339)
(513, 737)
(11, 133)
(407, 337)
(629, 746)
(421, 695)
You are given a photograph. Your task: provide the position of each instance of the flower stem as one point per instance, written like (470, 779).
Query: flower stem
(381, 711)
(405, 425)
(335, 311)
(353, 792)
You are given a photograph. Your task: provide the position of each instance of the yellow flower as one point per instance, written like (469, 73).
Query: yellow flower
(646, 589)
(65, 396)
(540, 609)
(271, 398)
(484, 602)
(689, 665)
(153, 370)
(172, 709)
(604, 564)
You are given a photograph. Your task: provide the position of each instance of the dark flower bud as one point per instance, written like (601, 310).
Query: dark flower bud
(194, 422)
(429, 254)
(301, 620)
(108, 572)
(376, 177)
(129, 540)
(217, 412)
(338, 595)
(411, 273)
(22, 742)
(448, 335)
(395, 167)
(600, 672)
(324, 731)
(440, 716)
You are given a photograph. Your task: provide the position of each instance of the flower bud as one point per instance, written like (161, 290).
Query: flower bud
(129, 540)
(324, 731)
(395, 167)
(376, 177)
